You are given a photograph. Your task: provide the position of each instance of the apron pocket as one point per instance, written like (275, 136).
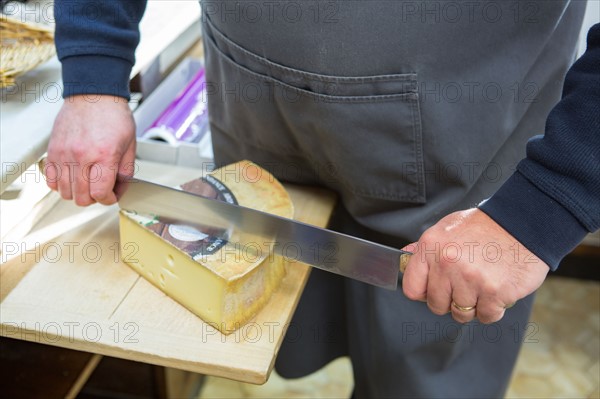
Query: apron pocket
(360, 135)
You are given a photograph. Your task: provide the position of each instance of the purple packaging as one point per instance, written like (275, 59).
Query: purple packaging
(186, 118)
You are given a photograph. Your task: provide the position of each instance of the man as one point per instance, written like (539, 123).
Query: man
(411, 112)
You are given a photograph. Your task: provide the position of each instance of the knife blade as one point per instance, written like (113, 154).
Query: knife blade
(325, 249)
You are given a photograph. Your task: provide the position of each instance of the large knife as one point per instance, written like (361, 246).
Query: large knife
(328, 250)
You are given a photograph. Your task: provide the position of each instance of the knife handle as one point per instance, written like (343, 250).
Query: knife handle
(42, 166)
(404, 261)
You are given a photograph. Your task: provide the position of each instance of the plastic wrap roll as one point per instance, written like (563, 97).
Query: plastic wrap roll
(186, 118)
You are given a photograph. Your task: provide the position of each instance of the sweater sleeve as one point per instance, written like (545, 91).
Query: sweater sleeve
(553, 199)
(95, 42)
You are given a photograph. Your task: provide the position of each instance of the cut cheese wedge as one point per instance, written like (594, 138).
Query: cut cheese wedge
(224, 284)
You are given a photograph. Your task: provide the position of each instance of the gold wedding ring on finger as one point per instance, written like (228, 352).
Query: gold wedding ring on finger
(462, 308)
(469, 308)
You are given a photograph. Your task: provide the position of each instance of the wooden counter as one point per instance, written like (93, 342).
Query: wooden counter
(69, 288)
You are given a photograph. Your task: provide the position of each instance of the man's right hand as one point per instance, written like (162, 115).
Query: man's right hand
(92, 140)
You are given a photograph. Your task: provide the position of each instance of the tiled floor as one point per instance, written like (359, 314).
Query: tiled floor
(563, 363)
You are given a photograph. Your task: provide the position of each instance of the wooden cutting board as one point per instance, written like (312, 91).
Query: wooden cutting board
(71, 289)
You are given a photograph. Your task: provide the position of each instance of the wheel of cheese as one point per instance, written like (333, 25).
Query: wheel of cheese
(221, 282)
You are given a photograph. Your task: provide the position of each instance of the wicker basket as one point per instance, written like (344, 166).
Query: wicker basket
(24, 46)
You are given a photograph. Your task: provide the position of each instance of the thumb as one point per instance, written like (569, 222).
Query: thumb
(127, 163)
(414, 281)
(412, 247)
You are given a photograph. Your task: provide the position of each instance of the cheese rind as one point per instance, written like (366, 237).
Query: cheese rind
(225, 288)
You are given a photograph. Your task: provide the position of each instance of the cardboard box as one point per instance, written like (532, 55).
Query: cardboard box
(196, 155)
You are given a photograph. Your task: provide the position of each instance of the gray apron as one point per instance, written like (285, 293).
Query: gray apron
(410, 111)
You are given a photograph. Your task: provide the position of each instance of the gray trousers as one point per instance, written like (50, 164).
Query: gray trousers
(409, 111)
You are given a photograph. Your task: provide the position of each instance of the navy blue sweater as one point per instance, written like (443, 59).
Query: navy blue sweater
(549, 204)
(553, 199)
(95, 42)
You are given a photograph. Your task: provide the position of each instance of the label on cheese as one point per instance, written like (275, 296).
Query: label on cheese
(186, 233)
(194, 240)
